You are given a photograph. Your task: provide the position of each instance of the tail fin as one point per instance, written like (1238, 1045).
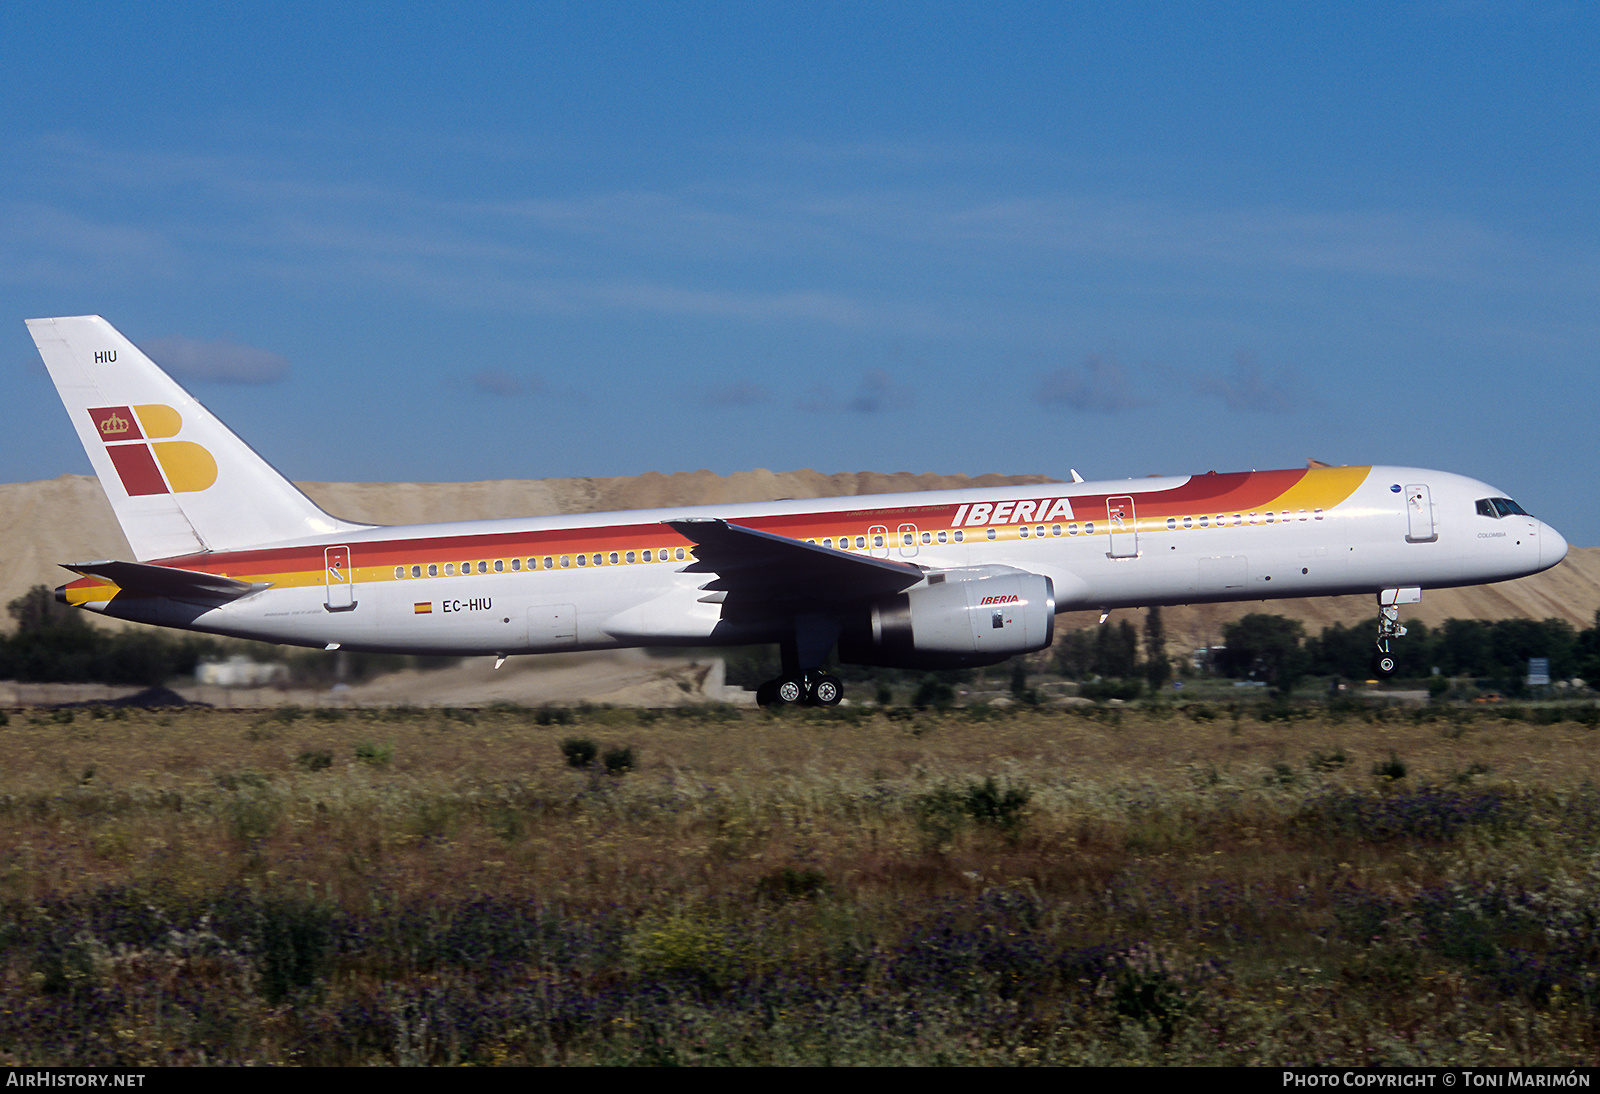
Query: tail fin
(179, 481)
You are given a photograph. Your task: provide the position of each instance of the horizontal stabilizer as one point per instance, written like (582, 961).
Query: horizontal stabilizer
(137, 579)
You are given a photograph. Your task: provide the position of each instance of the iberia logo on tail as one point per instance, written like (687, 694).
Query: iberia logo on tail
(147, 462)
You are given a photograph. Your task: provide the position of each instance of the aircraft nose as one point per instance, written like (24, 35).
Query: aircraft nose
(1552, 546)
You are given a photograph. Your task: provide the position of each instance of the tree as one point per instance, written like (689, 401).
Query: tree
(1266, 647)
(1157, 669)
(37, 611)
(1116, 650)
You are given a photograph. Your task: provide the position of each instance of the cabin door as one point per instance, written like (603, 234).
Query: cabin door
(1123, 526)
(340, 579)
(1419, 515)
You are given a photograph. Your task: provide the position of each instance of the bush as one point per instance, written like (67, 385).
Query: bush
(314, 759)
(941, 811)
(789, 884)
(618, 760)
(579, 751)
(1391, 770)
(374, 755)
(1102, 690)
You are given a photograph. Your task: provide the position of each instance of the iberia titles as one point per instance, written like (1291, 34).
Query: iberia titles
(1041, 510)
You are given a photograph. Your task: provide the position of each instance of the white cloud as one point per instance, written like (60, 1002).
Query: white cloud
(223, 361)
(1247, 389)
(1100, 384)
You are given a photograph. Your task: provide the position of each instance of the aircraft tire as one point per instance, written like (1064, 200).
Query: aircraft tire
(827, 691)
(788, 690)
(767, 694)
(1383, 666)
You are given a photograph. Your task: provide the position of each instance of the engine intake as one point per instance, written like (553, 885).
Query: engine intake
(959, 618)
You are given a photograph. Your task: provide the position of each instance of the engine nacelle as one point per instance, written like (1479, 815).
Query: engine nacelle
(959, 618)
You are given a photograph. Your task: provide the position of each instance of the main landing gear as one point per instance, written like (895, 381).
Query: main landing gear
(1389, 628)
(812, 689)
(814, 636)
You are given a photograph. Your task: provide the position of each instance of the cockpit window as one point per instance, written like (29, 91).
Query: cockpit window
(1500, 507)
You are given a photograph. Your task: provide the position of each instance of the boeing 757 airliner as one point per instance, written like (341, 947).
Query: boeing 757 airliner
(226, 545)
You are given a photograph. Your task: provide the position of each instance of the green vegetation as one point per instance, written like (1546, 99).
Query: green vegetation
(1351, 886)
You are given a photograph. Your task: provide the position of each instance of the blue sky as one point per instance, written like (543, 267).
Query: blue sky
(392, 243)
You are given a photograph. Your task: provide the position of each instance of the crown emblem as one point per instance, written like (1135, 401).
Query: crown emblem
(113, 423)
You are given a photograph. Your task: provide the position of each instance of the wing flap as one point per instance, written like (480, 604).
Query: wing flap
(751, 562)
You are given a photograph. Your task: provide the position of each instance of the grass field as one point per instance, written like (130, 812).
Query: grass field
(1205, 885)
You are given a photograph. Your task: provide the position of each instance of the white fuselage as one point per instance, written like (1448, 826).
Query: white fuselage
(619, 579)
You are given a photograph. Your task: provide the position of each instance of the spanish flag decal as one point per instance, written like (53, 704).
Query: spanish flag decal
(424, 608)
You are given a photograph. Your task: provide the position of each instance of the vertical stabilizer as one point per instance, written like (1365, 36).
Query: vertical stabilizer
(179, 481)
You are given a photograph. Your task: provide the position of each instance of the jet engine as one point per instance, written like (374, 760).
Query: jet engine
(959, 618)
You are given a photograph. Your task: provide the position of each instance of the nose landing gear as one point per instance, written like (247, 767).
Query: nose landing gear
(1389, 628)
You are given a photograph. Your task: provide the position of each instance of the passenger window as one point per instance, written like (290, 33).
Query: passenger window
(991, 533)
(680, 553)
(499, 566)
(516, 564)
(877, 541)
(1055, 529)
(941, 537)
(630, 558)
(416, 571)
(927, 537)
(861, 541)
(449, 569)
(483, 567)
(1024, 531)
(960, 536)
(612, 558)
(566, 561)
(433, 569)
(583, 560)
(399, 572)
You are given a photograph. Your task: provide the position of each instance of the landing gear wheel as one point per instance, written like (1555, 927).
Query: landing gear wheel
(788, 691)
(1383, 666)
(826, 691)
(767, 694)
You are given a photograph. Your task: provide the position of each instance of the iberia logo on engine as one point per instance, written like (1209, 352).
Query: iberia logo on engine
(147, 463)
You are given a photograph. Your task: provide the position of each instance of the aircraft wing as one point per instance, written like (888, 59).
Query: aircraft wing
(144, 579)
(747, 561)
